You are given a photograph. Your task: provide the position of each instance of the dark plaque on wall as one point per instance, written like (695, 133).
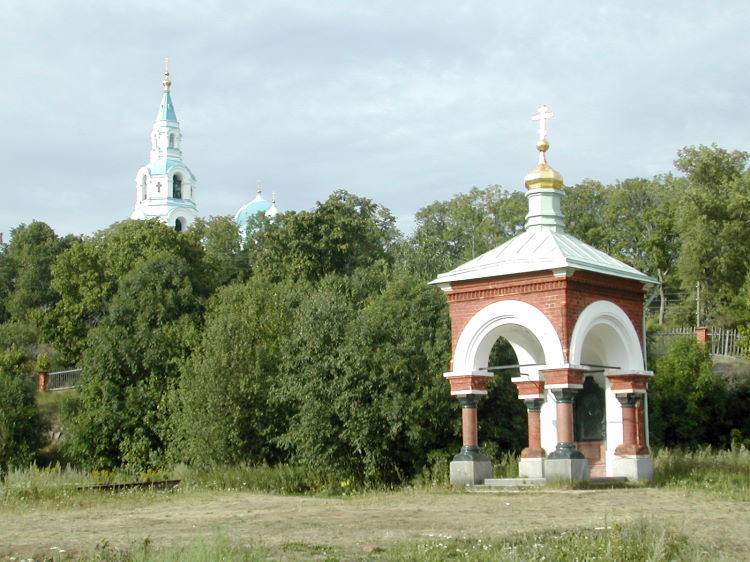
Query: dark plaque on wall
(589, 410)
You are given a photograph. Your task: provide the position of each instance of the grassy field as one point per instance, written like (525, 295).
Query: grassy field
(623, 524)
(698, 508)
(410, 524)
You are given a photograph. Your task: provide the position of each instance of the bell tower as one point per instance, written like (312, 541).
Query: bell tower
(165, 187)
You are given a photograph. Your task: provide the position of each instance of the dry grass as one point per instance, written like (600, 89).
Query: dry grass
(350, 525)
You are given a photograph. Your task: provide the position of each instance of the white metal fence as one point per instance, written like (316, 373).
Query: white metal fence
(63, 380)
(729, 343)
(723, 341)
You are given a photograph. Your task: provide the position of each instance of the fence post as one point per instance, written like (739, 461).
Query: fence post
(42, 380)
(702, 336)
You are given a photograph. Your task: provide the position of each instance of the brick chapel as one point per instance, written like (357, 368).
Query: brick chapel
(574, 317)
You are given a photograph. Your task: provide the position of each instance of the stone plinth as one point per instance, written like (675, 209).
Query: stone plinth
(634, 468)
(566, 463)
(531, 467)
(470, 467)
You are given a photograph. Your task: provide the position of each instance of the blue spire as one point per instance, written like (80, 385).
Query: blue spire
(166, 109)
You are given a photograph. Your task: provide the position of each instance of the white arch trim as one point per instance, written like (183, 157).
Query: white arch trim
(606, 313)
(481, 331)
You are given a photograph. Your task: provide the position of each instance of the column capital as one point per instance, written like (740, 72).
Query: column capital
(564, 377)
(528, 389)
(471, 383)
(468, 400)
(533, 404)
(629, 382)
(565, 395)
(628, 400)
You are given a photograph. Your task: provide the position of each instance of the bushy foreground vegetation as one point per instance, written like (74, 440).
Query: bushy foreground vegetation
(725, 472)
(317, 343)
(722, 472)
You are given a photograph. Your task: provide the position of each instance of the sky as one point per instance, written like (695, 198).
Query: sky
(403, 102)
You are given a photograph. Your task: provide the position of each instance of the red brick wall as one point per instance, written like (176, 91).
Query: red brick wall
(561, 299)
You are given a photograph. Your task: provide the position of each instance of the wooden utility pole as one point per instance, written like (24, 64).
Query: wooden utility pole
(698, 304)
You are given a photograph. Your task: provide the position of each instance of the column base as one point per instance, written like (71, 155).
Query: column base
(626, 450)
(634, 467)
(470, 467)
(566, 451)
(566, 463)
(531, 468)
(529, 453)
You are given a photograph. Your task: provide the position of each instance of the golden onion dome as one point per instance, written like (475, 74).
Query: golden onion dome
(167, 83)
(543, 175)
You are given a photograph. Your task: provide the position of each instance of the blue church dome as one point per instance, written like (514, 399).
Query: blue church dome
(254, 207)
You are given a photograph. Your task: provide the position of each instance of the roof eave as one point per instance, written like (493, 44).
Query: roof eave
(494, 271)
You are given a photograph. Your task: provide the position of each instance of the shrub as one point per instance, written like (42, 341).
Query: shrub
(21, 427)
(687, 398)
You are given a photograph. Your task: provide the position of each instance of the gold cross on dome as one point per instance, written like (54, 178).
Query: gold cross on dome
(166, 82)
(260, 186)
(542, 114)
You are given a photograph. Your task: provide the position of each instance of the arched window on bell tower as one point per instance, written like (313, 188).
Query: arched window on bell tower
(144, 185)
(179, 224)
(177, 187)
(171, 140)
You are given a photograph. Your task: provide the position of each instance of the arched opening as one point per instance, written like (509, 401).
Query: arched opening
(605, 340)
(503, 423)
(144, 188)
(527, 329)
(510, 339)
(179, 224)
(171, 140)
(177, 186)
(604, 335)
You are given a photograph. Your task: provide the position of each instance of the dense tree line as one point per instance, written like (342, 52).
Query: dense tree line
(316, 340)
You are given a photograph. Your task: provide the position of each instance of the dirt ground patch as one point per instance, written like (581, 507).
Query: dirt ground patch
(361, 522)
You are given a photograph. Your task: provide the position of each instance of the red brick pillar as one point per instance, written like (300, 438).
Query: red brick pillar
(469, 389)
(42, 381)
(469, 420)
(702, 336)
(640, 428)
(629, 444)
(532, 394)
(564, 383)
(564, 399)
(534, 450)
(630, 388)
